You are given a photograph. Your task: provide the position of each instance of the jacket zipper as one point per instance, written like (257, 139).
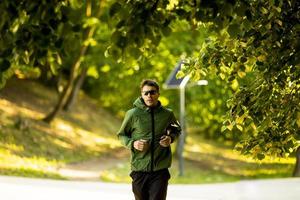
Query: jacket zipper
(152, 141)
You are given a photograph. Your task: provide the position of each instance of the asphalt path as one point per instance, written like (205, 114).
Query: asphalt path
(16, 188)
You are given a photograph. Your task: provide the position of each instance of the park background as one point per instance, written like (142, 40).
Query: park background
(71, 69)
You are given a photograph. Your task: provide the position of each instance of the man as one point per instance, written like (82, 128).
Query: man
(148, 130)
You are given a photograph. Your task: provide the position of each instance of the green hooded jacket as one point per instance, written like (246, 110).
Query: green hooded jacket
(142, 122)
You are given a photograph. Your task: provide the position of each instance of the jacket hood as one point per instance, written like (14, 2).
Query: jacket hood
(139, 103)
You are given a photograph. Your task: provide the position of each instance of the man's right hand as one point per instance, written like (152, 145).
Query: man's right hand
(141, 145)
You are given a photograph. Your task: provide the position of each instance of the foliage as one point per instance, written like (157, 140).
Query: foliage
(112, 83)
(253, 45)
(43, 37)
(206, 107)
(266, 103)
(49, 39)
(31, 35)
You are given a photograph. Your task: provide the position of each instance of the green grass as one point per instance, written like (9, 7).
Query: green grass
(210, 162)
(192, 175)
(30, 147)
(28, 172)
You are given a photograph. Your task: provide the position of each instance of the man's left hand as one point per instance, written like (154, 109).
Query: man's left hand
(165, 141)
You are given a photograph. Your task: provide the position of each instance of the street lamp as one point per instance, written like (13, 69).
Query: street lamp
(181, 84)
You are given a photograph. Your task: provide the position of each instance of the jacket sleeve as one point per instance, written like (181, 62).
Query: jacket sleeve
(173, 129)
(124, 134)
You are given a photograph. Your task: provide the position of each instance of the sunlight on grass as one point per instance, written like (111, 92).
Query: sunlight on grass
(93, 139)
(194, 176)
(119, 174)
(62, 126)
(65, 141)
(224, 160)
(208, 162)
(11, 164)
(29, 172)
(29, 145)
(7, 107)
(87, 138)
(62, 143)
(260, 171)
(12, 147)
(267, 173)
(194, 146)
(14, 110)
(9, 158)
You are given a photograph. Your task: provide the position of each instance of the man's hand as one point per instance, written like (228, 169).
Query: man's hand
(141, 145)
(165, 141)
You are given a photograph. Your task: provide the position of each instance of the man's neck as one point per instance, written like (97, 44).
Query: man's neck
(153, 106)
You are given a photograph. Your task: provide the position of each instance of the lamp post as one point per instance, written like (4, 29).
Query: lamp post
(181, 140)
(173, 83)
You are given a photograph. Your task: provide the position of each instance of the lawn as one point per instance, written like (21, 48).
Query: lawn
(30, 147)
(210, 162)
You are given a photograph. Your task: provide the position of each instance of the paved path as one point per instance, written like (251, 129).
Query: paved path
(14, 188)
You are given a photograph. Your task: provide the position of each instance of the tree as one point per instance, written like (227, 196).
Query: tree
(75, 89)
(31, 36)
(87, 39)
(253, 44)
(48, 37)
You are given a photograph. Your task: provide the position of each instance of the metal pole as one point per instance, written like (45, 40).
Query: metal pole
(182, 124)
(182, 136)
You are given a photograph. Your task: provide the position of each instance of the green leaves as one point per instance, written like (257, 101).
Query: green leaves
(166, 31)
(90, 22)
(113, 51)
(139, 25)
(180, 75)
(115, 7)
(260, 156)
(4, 65)
(234, 30)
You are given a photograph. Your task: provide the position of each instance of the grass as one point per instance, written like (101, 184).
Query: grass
(210, 162)
(30, 147)
(28, 172)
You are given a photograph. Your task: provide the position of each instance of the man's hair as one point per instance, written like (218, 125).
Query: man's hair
(149, 82)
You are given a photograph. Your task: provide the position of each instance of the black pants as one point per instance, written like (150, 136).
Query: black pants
(150, 185)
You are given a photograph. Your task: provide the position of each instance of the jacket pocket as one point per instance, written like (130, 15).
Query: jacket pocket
(163, 157)
(140, 162)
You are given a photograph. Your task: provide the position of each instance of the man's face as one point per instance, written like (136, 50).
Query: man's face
(150, 95)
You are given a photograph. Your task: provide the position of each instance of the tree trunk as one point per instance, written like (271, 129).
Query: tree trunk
(69, 86)
(78, 83)
(74, 69)
(296, 172)
(62, 98)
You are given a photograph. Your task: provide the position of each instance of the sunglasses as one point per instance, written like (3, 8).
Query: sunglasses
(151, 92)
